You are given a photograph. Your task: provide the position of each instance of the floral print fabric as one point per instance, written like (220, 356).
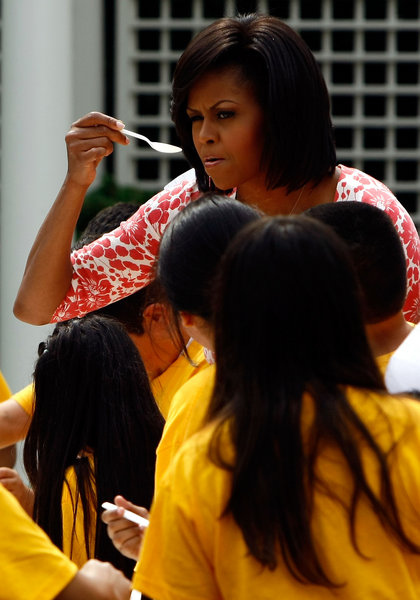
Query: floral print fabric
(121, 262)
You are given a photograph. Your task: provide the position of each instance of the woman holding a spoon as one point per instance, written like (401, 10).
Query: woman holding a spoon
(252, 113)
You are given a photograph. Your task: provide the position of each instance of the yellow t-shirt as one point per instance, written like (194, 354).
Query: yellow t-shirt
(5, 392)
(383, 360)
(25, 398)
(77, 553)
(189, 552)
(181, 370)
(30, 565)
(185, 417)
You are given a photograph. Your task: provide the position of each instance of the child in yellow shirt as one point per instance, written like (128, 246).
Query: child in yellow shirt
(304, 482)
(94, 433)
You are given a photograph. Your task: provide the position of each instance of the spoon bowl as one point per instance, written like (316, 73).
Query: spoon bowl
(158, 146)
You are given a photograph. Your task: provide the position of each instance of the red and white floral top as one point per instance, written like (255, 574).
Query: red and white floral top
(121, 262)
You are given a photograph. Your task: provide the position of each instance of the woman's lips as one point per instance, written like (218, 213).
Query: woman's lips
(212, 162)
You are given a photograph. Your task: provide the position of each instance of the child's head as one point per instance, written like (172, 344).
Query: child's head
(288, 305)
(376, 251)
(87, 371)
(289, 87)
(94, 411)
(191, 248)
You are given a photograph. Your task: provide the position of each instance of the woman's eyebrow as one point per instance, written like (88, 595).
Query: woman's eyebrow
(215, 105)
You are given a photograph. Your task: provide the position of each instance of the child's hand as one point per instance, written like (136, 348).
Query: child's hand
(13, 482)
(125, 535)
(97, 579)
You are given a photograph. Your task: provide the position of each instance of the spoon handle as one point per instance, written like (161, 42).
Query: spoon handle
(136, 135)
(159, 146)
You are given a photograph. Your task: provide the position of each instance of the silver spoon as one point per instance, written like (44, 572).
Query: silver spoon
(159, 146)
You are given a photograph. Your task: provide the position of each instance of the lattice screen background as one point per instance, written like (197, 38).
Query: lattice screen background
(369, 51)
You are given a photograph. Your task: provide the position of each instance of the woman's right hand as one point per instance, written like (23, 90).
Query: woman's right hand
(89, 140)
(49, 270)
(125, 535)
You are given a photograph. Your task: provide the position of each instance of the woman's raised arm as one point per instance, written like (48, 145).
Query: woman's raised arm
(48, 269)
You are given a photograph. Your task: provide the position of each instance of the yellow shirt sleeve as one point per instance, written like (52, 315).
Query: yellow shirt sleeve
(30, 565)
(25, 398)
(5, 392)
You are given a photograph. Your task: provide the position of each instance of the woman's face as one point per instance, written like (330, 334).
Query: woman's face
(227, 126)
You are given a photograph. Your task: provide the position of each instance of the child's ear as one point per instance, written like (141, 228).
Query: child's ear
(157, 320)
(187, 319)
(154, 312)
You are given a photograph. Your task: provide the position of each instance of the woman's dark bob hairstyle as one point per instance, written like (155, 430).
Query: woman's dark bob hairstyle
(289, 86)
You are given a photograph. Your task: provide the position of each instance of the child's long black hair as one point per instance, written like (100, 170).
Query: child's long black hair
(91, 394)
(288, 320)
(192, 246)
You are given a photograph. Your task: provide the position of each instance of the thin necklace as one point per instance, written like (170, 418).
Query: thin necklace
(297, 201)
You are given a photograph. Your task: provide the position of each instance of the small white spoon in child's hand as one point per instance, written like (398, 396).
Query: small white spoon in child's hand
(159, 146)
(130, 516)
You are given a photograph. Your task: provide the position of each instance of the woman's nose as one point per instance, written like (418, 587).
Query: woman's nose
(207, 133)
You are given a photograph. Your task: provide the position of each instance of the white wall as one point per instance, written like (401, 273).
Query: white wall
(87, 57)
(52, 71)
